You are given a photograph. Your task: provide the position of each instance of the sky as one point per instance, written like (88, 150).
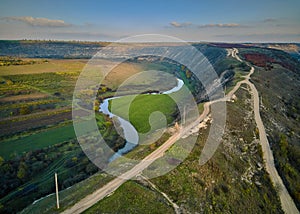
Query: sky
(188, 20)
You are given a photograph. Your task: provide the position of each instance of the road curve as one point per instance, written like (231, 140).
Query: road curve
(286, 200)
(110, 187)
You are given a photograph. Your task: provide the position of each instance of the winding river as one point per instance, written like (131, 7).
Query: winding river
(130, 133)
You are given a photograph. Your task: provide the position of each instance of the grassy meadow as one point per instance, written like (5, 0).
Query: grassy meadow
(138, 116)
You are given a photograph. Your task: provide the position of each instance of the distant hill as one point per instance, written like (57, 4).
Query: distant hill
(292, 48)
(49, 49)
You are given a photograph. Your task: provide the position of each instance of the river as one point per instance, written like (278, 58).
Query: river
(130, 133)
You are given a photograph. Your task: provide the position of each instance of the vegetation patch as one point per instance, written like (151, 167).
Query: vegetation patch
(231, 181)
(131, 197)
(40, 140)
(141, 108)
(280, 111)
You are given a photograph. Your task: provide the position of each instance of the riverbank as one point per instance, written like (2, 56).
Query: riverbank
(130, 133)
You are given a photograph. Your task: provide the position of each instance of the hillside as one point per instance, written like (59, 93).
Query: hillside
(49, 49)
(279, 87)
(38, 139)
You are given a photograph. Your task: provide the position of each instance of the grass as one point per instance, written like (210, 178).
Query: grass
(51, 66)
(141, 151)
(240, 70)
(200, 107)
(120, 73)
(141, 108)
(132, 197)
(36, 141)
(48, 83)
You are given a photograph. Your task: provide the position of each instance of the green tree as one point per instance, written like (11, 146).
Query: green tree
(188, 74)
(74, 159)
(283, 145)
(96, 105)
(24, 110)
(1, 160)
(22, 171)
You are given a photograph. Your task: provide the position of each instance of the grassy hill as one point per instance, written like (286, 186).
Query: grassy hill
(37, 137)
(279, 91)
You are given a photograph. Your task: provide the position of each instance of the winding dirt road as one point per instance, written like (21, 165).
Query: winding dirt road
(287, 203)
(109, 188)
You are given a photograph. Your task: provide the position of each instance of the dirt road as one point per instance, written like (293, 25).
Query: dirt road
(286, 201)
(109, 188)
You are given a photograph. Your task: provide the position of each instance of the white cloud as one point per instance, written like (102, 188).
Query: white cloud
(40, 22)
(217, 25)
(227, 25)
(179, 25)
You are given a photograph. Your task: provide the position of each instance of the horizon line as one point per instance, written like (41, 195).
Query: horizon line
(133, 42)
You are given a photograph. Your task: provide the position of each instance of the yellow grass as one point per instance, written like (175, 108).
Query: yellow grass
(122, 72)
(64, 65)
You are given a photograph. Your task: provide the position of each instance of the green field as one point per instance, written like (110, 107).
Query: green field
(36, 141)
(141, 108)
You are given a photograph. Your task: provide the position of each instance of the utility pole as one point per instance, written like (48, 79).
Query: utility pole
(56, 188)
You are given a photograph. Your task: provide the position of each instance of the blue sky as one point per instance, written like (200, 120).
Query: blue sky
(214, 20)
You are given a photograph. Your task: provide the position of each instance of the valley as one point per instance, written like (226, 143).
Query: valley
(38, 139)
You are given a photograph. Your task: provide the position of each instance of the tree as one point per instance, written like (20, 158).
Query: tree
(9, 82)
(103, 89)
(283, 143)
(1, 160)
(74, 159)
(188, 74)
(96, 105)
(24, 110)
(22, 171)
